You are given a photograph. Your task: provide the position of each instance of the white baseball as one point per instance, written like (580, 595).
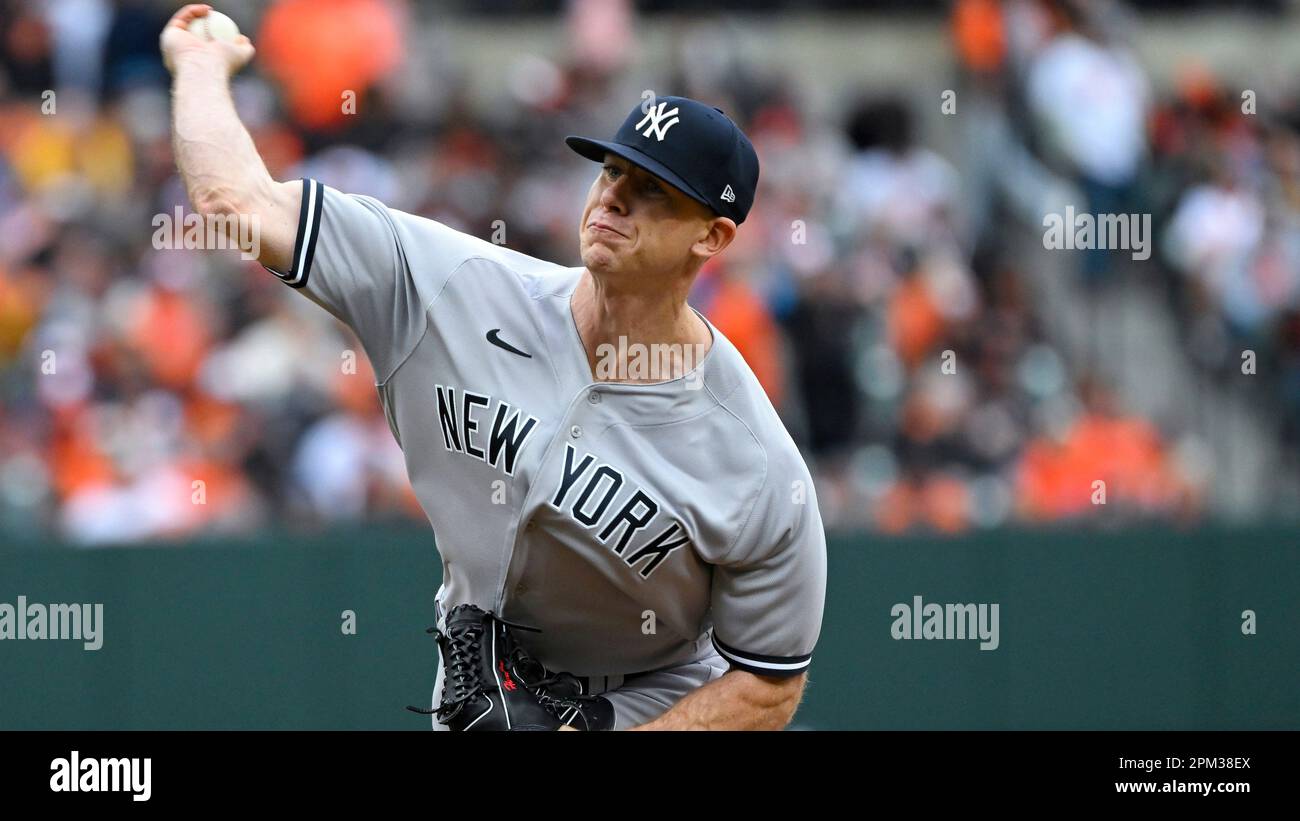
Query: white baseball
(215, 26)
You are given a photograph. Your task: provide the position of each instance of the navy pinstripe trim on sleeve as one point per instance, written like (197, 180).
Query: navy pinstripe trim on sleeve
(763, 665)
(304, 243)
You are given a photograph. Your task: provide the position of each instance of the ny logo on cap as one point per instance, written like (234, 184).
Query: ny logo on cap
(656, 116)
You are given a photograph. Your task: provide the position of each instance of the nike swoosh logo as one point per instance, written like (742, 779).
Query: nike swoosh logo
(493, 336)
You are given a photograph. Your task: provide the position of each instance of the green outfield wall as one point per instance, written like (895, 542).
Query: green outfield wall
(1121, 630)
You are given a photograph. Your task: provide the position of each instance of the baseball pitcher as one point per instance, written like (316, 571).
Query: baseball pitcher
(629, 537)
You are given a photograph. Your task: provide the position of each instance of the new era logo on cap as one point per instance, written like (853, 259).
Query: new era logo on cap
(708, 157)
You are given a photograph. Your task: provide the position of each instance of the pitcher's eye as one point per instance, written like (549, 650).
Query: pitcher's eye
(612, 171)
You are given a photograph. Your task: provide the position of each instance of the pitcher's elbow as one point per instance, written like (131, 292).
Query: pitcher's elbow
(215, 201)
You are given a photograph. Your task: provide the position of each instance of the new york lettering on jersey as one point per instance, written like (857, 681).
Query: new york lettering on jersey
(499, 446)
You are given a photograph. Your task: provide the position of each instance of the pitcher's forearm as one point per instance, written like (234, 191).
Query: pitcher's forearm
(737, 701)
(223, 174)
(218, 161)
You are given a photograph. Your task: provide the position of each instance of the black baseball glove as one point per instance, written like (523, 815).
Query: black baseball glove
(491, 683)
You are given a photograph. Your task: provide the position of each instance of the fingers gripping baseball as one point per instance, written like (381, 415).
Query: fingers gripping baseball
(223, 45)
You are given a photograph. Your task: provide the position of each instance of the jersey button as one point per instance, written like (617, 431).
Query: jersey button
(521, 589)
(594, 397)
(575, 431)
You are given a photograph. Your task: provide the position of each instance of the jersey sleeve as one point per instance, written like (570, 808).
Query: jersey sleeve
(373, 267)
(769, 590)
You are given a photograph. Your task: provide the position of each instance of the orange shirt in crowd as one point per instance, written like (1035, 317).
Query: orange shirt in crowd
(171, 335)
(319, 49)
(915, 323)
(978, 34)
(743, 318)
(75, 460)
(1057, 479)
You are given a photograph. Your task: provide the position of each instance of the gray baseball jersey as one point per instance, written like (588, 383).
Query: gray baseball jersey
(638, 526)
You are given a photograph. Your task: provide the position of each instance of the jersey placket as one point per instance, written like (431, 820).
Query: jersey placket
(582, 418)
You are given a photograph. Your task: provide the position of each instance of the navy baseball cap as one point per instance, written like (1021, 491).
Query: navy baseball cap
(693, 147)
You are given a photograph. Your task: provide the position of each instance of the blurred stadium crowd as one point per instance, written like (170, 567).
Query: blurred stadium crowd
(129, 373)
